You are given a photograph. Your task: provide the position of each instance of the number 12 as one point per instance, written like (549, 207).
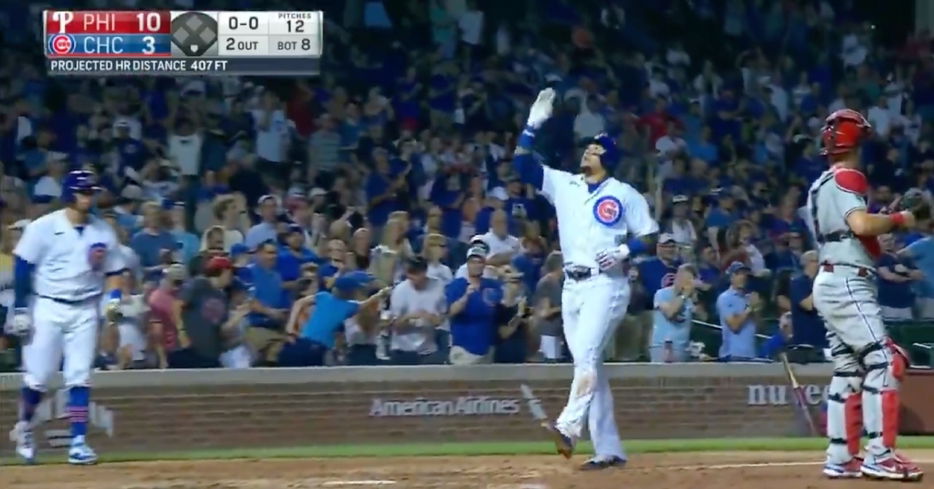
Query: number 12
(299, 25)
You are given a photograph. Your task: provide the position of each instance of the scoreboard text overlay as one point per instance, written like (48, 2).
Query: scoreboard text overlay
(182, 42)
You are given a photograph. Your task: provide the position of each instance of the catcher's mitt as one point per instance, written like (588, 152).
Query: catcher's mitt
(915, 202)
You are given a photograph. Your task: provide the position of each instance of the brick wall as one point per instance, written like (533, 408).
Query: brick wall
(172, 417)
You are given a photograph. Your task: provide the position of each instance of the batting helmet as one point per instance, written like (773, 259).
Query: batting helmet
(610, 156)
(843, 131)
(78, 181)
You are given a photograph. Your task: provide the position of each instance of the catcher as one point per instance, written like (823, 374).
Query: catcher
(868, 366)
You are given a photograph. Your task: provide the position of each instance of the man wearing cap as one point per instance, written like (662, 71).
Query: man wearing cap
(268, 227)
(311, 340)
(293, 255)
(480, 243)
(418, 307)
(674, 310)
(472, 303)
(738, 312)
(655, 273)
(207, 321)
(681, 227)
(601, 223)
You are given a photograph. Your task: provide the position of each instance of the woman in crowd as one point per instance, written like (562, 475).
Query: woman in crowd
(360, 246)
(387, 260)
(435, 250)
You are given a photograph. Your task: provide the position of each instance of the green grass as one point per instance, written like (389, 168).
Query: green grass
(482, 448)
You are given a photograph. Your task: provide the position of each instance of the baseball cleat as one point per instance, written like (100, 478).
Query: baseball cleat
(25, 443)
(563, 443)
(80, 453)
(600, 463)
(896, 467)
(848, 470)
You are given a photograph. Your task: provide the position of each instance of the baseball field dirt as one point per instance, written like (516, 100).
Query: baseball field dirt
(760, 470)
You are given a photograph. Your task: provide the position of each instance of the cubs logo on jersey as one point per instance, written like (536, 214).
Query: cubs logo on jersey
(97, 253)
(608, 210)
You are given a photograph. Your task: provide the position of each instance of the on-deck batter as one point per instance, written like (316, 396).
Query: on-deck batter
(601, 222)
(868, 366)
(61, 264)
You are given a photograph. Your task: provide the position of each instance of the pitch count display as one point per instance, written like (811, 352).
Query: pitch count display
(103, 42)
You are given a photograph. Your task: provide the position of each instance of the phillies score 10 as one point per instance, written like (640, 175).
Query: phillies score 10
(104, 33)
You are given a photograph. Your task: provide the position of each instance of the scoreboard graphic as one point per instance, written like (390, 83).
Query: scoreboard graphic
(103, 42)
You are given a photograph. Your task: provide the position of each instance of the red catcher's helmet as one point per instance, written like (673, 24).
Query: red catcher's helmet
(843, 131)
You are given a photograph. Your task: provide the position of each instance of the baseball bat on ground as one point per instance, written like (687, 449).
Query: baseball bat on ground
(800, 404)
(802, 408)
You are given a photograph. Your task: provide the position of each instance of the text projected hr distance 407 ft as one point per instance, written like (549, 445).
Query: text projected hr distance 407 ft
(191, 42)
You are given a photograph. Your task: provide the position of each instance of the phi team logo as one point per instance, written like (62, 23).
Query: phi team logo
(96, 256)
(61, 44)
(608, 210)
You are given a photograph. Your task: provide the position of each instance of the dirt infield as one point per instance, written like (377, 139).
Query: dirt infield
(762, 470)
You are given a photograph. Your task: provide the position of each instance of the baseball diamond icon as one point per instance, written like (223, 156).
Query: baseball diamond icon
(194, 33)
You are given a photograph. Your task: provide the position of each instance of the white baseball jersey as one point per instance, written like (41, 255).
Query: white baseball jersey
(589, 222)
(69, 265)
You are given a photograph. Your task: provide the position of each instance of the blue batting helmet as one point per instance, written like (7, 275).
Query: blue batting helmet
(78, 181)
(610, 157)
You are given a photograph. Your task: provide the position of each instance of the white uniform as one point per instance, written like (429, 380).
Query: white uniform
(70, 267)
(591, 308)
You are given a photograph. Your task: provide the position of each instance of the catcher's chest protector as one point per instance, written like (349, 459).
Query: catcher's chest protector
(828, 205)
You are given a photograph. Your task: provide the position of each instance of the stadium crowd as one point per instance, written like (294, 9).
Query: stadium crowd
(371, 215)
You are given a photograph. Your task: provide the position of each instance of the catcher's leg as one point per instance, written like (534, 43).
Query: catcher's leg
(844, 414)
(882, 365)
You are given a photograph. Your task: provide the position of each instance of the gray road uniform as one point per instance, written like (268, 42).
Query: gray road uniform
(863, 391)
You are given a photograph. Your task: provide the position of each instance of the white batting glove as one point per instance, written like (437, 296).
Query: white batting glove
(21, 324)
(541, 108)
(609, 258)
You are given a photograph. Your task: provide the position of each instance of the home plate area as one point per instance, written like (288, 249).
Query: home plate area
(760, 470)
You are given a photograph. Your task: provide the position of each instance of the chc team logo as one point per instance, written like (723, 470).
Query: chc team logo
(608, 210)
(61, 44)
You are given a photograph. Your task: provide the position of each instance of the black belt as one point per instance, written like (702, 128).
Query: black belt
(70, 302)
(836, 236)
(860, 271)
(579, 273)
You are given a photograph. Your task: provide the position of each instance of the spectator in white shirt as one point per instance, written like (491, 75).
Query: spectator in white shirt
(435, 249)
(503, 246)
(49, 187)
(272, 134)
(471, 25)
(880, 117)
(671, 144)
(589, 121)
(185, 148)
(418, 306)
(680, 225)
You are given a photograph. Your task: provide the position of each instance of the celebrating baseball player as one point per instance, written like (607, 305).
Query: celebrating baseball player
(601, 222)
(868, 366)
(60, 267)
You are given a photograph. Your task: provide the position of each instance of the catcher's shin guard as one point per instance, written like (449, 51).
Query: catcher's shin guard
(885, 366)
(844, 416)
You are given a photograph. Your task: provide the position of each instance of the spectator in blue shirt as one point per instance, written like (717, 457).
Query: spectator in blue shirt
(473, 302)
(153, 244)
(896, 276)
(674, 310)
(268, 227)
(529, 262)
(807, 326)
(188, 243)
(738, 311)
(310, 340)
(922, 252)
(265, 333)
(241, 258)
(293, 256)
(383, 188)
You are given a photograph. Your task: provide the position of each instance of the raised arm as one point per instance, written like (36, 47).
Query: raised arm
(531, 171)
